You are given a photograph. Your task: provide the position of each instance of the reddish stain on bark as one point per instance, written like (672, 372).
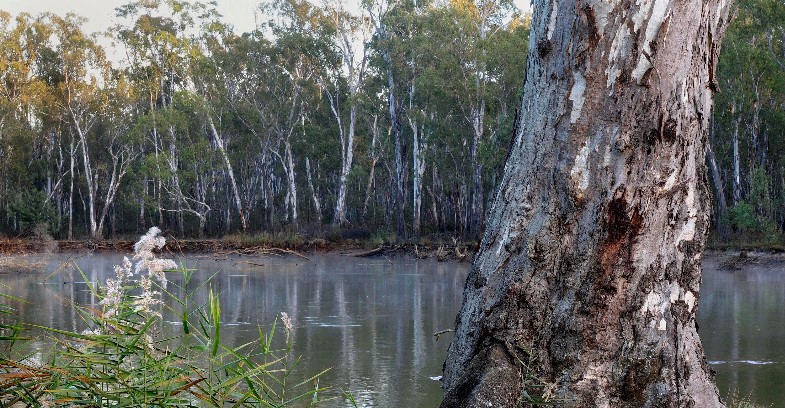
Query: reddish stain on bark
(622, 226)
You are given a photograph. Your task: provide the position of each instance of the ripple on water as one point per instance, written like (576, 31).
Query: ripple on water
(751, 362)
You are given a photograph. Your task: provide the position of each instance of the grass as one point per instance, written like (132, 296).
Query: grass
(736, 401)
(283, 239)
(125, 359)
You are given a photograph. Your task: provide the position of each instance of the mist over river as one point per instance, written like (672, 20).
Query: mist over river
(372, 320)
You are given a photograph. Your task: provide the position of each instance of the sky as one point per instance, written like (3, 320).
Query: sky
(100, 13)
(239, 13)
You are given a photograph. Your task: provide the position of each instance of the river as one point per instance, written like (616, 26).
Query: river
(372, 321)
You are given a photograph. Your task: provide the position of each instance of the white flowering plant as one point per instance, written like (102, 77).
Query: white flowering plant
(124, 358)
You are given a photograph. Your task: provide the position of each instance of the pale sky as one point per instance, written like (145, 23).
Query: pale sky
(239, 13)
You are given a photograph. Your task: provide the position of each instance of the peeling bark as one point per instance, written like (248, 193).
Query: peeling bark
(585, 287)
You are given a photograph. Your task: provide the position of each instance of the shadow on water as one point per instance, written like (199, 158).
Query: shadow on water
(373, 320)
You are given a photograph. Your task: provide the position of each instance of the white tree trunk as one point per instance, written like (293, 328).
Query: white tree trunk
(418, 170)
(347, 157)
(88, 169)
(291, 193)
(374, 156)
(72, 168)
(317, 206)
(235, 193)
(478, 130)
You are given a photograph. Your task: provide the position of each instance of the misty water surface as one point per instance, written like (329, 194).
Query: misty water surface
(373, 320)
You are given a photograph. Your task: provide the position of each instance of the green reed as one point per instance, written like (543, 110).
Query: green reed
(126, 359)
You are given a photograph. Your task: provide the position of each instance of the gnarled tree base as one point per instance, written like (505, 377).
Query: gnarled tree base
(586, 285)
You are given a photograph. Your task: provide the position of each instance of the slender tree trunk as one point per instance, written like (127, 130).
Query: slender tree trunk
(230, 172)
(317, 206)
(476, 204)
(736, 162)
(88, 169)
(374, 156)
(142, 225)
(119, 168)
(72, 153)
(291, 190)
(347, 157)
(395, 121)
(174, 168)
(434, 199)
(586, 284)
(717, 180)
(418, 169)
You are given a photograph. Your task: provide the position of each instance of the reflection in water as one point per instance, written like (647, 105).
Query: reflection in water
(373, 320)
(742, 326)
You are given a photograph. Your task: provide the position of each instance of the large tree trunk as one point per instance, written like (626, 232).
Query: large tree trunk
(586, 283)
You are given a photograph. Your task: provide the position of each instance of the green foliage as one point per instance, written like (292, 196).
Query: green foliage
(751, 74)
(33, 208)
(742, 217)
(123, 359)
(746, 223)
(759, 191)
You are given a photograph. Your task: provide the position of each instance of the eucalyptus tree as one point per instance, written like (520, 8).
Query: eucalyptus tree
(299, 57)
(247, 67)
(152, 34)
(474, 26)
(352, 41)
(120, 146)
(209, 85)
(83, 98)
(587, 278)
(746, 146)
(383, 14)
(22, 93)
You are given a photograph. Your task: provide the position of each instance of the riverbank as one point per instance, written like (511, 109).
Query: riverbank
(441, 251)
(424, 248)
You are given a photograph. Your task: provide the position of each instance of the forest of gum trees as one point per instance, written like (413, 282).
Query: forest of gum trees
(388, 117)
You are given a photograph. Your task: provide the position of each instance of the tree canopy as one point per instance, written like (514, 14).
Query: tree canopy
(380, 115)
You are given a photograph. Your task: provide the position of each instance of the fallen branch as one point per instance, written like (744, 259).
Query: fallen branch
(368, 253)
(437, 334)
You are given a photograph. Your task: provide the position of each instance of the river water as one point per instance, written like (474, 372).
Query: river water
(372, 321)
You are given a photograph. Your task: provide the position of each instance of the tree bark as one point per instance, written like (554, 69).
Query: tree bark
(585, 288)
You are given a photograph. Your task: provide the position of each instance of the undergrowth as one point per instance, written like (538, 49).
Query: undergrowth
(124, 359)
